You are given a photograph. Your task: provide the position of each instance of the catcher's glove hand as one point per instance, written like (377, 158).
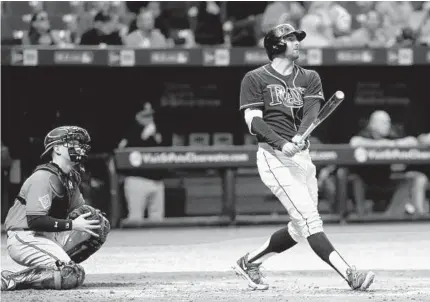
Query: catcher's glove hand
(81, 245)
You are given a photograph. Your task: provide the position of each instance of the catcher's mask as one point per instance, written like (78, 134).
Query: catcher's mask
(74, 138)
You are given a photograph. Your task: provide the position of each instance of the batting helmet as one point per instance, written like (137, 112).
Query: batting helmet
(75, 138)
(273, 40)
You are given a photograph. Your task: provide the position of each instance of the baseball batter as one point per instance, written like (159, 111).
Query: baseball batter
(40, 233)
(280, 100)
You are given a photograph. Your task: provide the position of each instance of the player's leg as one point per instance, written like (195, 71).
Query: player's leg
(248, 266)
(135, 191)
(318, 240)
(49, 265)
(64, 276)
(418, 184)
(156, 202)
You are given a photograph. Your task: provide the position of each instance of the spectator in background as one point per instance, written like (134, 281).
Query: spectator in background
(104, 32)
(72, 35)
(145, 35)
(143, 189)
(379, 133)
(424, 139)
(314, 28)
(395, 15)
(335, 19)
(244, 22)
(208, 29)
(159, 19)
(371, 34)
(279, 12)
(40, 32)
(417, 30)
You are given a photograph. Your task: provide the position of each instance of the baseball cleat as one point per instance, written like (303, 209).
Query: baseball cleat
(359, 281)
(251, 273)
(7, 283)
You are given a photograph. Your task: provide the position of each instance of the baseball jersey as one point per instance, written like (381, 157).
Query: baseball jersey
(48, 191)
(283, 99)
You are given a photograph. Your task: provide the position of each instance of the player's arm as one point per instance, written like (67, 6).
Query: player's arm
(42, 191)
(123, 143)
(251, 101)
(312, 100)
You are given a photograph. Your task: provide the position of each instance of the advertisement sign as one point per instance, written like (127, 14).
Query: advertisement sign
(73, 57)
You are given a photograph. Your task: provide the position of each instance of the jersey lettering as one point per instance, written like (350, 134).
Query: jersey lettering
(291, 98)
(56, 224)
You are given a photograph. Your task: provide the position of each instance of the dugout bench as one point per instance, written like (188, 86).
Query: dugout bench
(228, 159)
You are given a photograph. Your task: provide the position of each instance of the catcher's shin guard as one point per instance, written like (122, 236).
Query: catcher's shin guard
(65, 276)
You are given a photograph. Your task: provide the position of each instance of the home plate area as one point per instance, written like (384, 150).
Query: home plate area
(194, 264)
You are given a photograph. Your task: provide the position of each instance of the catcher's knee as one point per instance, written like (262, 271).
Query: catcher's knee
(71, 275)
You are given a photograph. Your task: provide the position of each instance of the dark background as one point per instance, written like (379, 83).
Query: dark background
(202, 99)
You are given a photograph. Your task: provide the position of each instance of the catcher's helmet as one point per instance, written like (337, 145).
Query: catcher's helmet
(75, 138)
(273, 40)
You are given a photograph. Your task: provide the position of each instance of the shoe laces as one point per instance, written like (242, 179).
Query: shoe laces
(353, 276)
(254, 271)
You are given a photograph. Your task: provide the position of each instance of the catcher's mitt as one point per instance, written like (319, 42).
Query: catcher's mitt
(81, 245)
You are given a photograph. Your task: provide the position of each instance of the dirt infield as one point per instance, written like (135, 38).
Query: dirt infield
(194, 265)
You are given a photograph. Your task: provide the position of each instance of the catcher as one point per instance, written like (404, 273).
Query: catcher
(49, 228)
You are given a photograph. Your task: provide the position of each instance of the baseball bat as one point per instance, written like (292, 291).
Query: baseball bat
(325, 111)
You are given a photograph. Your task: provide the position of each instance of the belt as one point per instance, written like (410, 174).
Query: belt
(269, 148)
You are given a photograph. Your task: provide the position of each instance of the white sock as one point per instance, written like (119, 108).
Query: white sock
(337, 261)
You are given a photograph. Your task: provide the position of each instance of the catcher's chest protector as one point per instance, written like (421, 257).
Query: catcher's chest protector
(64, 187)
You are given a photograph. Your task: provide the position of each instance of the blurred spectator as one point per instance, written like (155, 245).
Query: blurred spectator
(396, 15)
(244, 22)
(159, 19)
(424, 139)
(315, 37)
(379, 133)
(136, 6)
(72, 34)
(358, 10)
(37, 6)
(335, 19)
(279, 12)
(104, 33)
(208, 29)
(145, 35)
(371, 34)
(40, 32)
(97, 7)
(416, 30)
(144, 190)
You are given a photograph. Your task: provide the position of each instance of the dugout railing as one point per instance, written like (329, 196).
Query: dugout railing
(118, 164)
